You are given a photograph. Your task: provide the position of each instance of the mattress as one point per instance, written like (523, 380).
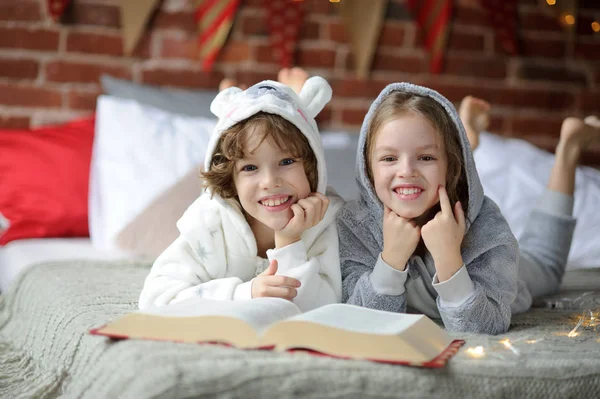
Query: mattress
(18, 255)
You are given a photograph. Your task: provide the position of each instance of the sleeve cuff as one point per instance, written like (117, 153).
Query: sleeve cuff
(386, 280)
(243, 291)
(289, 256)
(456, 289)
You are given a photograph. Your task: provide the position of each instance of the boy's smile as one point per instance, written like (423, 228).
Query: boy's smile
(408, 165)
(268, 182)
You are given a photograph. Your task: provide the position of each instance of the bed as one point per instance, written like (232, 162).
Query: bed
(54, 290)
(46, 351)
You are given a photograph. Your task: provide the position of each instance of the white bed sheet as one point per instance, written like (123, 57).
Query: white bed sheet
(18, 255)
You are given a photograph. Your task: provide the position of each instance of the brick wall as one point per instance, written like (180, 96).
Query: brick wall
(49, 72)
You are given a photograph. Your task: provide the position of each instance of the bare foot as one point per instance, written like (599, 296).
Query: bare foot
(293, 77)
(576, 135)
(475, 116)
(228, 82)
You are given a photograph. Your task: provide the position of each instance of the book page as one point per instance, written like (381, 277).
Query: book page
(359, 319)
(258, 312)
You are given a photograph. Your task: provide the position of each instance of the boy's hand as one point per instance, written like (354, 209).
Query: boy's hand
(307, 213)
(400, 239)
(443, 235)
(267, 284)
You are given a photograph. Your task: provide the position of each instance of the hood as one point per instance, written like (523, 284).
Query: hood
(369, 198)
(234, 105)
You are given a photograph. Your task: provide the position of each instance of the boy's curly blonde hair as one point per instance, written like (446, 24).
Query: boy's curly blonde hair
(231, 148)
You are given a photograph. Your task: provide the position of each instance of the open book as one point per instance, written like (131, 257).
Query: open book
(338, 330)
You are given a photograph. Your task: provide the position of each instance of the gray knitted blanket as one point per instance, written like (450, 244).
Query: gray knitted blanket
(45, 351)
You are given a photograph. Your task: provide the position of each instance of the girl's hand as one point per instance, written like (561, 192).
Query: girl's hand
(267, 284)
(400, 239)
(443, 235)
(308, 212)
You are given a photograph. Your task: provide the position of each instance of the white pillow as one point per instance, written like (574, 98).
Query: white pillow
(514, 173)
(139, 151)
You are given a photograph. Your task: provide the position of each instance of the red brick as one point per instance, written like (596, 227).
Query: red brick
(174, 48)
(313, 7)
(353, 117)
(475, 16)
(539, 47)
(394, 62)
(591, 158)
(493, 68)
(539, 21)
(316, 58)
(14, 122)
(86, 42)
(20, 10)
(588, 50)
(254, 25)
(542, 125)
(336, 31)
(589, 5)
(254, 4)
(532, 98)
(358, 88)
(29, 96)
(70, 71)
(509, 97)
(182, 78)
(234, 52)
(324, 117)
(309, 31)
(466, 41)
(589, 102)
(83, 100)
(392, 35)
(455, 93)
(182, 20)
(143, 48)
(19, 68)
(584, 25)
(29, 39)
(555, 73)
(81, 13)
(263, 53)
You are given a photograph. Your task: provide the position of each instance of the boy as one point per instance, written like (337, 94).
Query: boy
(263, 226)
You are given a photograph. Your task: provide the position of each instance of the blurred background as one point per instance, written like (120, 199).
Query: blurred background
(51, 58)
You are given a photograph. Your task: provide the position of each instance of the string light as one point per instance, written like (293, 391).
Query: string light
(569, 19)
(596, 26)
(551, 2)
(334, 1)
(508, 345)
(476, 352)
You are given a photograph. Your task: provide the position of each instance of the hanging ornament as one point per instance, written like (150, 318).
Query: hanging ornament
(363, 21)
(503, 15)
(57, 7)
(433, 20)
(284, 19)
(134, 17)
(214, 19)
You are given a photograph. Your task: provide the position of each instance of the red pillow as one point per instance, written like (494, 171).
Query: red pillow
(44, 176)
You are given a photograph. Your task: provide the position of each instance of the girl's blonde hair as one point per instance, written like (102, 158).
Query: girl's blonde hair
(398, 104)
(230, 148)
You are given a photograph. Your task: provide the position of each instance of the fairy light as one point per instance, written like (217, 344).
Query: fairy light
(508, 345)
(569, 19)
(476, 352)
(531, 341)
(596, 26)
(551, 2)
(334, 1)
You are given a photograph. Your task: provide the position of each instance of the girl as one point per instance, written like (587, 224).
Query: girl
(263, 226)
(424, 238)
